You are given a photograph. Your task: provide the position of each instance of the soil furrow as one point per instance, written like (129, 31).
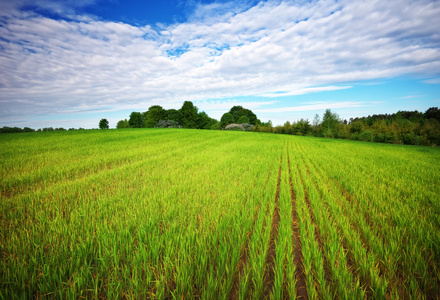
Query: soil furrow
(269, 276)
(300, 286)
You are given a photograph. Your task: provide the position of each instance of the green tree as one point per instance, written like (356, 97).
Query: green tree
(233, 111)
(153, 115)
(205, 122)
(433, 113)
(226, 119)
(103, 124)
(303, 127)
(243, 119)
(356, 127)
(248, 113)
(189, 115)
(238, 111)
(329, 124)
(135, 120)
(122, 124)
(173, 115)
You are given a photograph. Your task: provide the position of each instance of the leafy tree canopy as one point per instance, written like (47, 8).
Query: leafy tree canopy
(103, 124)
(136, 120)
(243, 119)
(189, 115)
(153, 115)
(226, 119)
(123, 124)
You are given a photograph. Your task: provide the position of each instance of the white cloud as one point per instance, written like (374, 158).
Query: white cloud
(411, 96)
(302, 91)
(317, 106)
(432, 81)
(272, 49)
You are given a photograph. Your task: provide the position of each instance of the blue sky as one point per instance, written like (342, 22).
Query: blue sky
(70, 63)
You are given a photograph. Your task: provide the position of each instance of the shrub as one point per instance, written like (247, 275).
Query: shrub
(167, 124)
(238, 127)
(366, 136)
(248, 127)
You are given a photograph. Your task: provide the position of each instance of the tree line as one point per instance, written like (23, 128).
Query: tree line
(6, 129)
(188, 116)
(403, 127)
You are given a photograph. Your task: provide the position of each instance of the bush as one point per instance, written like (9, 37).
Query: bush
(167, 124)
(354, 136)
(248, 127)
(366, 136)
(380, 138)
(237, 127)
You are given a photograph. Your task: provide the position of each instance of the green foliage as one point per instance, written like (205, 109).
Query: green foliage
(329, 123)
(243, 119)
(356, 127)
(238, 111)
(233, 111)
(154, 114)
(433, 113)
(366, 136)
(404, 127)
(226, 119)
(103, 124)
(173, 114)
(136, 120)
(6, 129)
(122, 124)
(189, 115)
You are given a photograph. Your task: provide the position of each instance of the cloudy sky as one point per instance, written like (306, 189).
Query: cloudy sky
(69, 63)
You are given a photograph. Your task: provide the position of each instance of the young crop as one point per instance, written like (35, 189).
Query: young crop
(175, 213)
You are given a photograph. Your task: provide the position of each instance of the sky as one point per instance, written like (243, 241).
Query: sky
(69, 63)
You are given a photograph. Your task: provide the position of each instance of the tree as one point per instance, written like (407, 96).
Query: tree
(135, 120)
(189, 115)
(302, 127)
(243, 119)
(154, 114)
(238, 111)
(103, 124)
(123, 124)
(226, 119)
(173, 115)
(233, 111)
(329, 123)
(205, 122)
(248, 113)
(433, 113)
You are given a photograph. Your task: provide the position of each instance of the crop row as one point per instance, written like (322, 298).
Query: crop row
(216, 215)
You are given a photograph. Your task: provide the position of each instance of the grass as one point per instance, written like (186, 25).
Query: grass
(214, 214)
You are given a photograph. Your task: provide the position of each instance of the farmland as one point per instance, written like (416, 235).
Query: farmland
(191, 214)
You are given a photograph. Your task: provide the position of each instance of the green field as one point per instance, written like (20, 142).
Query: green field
(175, 213)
